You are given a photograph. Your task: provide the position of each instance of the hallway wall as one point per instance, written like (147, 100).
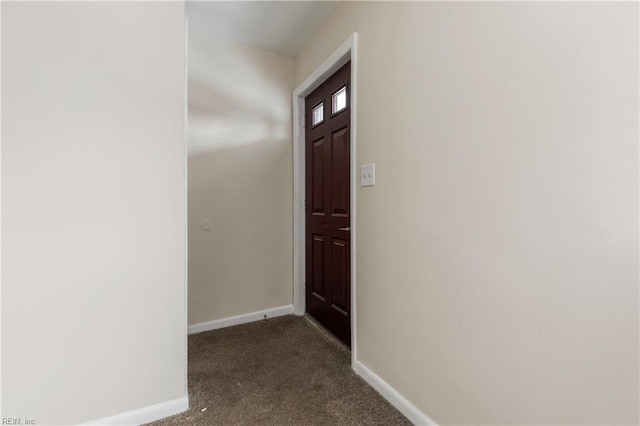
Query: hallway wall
(93, 210)
(497, 255)
(240, 180)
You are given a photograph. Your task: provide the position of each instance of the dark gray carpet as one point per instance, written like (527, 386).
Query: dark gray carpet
(280, 371)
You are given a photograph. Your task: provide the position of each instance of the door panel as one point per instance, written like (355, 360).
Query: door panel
(317, 177)
(340, 173)
(317, 254)
(328, 210)
(340, 259)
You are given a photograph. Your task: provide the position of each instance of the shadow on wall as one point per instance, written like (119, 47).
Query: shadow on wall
(233, 98)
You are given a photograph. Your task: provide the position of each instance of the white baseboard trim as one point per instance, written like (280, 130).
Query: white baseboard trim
(409, 410)
(241, 319)
(145, 414)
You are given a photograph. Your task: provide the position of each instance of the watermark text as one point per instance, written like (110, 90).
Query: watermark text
(17, 421)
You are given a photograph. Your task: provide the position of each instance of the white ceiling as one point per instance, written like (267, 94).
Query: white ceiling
(278, 26)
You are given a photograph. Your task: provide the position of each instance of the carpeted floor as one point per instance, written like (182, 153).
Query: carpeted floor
(280, 371)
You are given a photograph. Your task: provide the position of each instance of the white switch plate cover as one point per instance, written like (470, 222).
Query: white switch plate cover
(368, 174)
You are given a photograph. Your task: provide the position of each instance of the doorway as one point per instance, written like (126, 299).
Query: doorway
(344, 54)
(327, 205)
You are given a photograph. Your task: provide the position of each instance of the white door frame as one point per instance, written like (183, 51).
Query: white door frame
(345, 53)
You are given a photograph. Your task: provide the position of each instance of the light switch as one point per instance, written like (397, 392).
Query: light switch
(368, 174)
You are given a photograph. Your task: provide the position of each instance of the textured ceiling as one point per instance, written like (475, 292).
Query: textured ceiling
(278, 26)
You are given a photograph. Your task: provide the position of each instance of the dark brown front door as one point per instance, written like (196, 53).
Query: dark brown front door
(328, 213)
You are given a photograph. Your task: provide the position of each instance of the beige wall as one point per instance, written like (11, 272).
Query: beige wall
(240, 179)
(93, 209)
(497, 255)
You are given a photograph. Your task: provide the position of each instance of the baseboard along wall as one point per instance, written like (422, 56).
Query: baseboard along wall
(394, 397)
(241, 319)
(144, 415)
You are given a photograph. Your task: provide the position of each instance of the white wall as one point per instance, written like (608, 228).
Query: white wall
(240, 179)
(497, 255)
(93, 198)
